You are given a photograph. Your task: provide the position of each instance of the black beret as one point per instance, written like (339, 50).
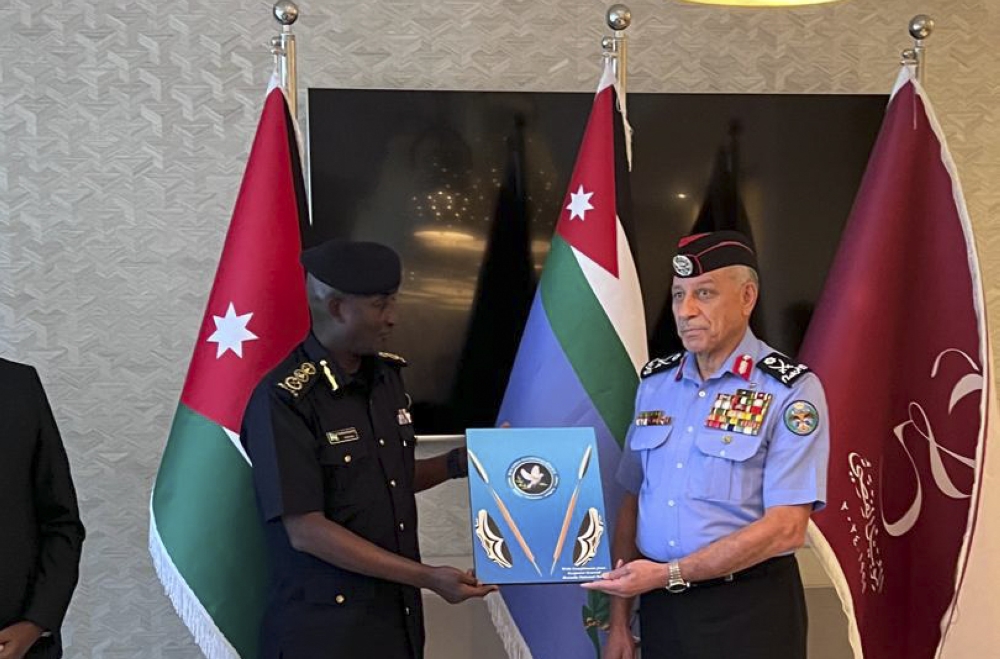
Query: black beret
(357, 268)
(704, 252)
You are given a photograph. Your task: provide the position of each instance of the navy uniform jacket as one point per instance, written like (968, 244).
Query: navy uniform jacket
(324, 441)
(40, 530)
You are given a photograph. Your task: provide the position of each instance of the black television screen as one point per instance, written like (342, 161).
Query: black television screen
(445, 176)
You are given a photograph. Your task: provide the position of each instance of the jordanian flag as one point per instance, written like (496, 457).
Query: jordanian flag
(205, 535)
(578, 363)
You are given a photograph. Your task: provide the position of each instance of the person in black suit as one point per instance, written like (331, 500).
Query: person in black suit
(40, 529)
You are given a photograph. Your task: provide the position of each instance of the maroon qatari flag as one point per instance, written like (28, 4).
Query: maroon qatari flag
(899, 341)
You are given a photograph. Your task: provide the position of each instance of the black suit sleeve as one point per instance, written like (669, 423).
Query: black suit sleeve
(61, 532)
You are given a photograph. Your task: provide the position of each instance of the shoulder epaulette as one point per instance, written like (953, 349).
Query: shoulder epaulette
(660, 364)
(299, 380)
(392, 358)
(782, 368)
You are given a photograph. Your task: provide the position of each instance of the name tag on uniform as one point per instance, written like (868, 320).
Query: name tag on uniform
(343, 435)
(652, 418)
(403, 417)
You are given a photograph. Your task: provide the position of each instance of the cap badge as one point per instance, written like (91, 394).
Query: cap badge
(683, 266)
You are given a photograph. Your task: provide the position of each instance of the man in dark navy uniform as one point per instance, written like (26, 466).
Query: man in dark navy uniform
(332, 443)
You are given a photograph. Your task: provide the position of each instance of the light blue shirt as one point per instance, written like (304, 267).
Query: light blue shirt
(697, 484)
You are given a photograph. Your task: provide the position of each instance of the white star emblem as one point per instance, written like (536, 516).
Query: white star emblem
(231, 331)
(579, 204)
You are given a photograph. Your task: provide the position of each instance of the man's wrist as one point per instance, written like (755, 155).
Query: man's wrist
(676, 583)
(619, 628)
(458, 465)
(425, 577)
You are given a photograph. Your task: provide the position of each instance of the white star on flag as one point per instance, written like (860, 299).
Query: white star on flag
(231, 331)
(579, 204)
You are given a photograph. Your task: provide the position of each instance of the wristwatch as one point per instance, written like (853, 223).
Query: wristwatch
(675, 582)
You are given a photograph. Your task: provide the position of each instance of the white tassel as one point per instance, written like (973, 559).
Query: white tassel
(210, 640)
(507, 630)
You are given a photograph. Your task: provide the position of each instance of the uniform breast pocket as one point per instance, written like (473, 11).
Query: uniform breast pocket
(726, 467)
(345, 467)
(646, 439)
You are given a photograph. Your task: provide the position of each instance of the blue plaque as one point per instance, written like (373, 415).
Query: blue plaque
(537, 505)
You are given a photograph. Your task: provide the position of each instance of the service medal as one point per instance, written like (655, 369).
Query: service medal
(742, 412)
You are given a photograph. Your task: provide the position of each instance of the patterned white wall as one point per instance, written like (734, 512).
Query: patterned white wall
(124, 125)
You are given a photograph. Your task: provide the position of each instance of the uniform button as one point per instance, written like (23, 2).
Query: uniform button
(722, 453)
(671, 503)
(690, 428)
(402, 527)
(347, 458)
(406, 610)
(404, 442)
(339, 599)
(727, 439)
(672, 543)
(680, 465)
(381, 442)
(392, 483)
(701, 394)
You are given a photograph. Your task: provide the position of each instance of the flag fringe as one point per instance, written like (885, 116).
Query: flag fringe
(207, 635)
(987, 401)
(513, 643)
(828, 559)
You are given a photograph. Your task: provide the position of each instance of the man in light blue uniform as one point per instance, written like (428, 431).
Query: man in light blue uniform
(724, 463)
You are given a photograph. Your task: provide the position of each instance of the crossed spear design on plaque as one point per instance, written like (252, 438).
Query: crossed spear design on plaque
(587, 541)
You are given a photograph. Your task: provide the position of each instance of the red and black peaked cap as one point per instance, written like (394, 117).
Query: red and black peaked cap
(704, 252)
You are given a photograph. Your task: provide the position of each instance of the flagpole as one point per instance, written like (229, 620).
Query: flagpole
(286, 13)
(619, 17)
(920, 28)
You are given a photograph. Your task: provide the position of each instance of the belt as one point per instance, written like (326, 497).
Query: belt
(756, 570)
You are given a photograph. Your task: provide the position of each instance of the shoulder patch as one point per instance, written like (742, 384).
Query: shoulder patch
(660, 364)
(392, 358)
(782, 368)
(299, 380)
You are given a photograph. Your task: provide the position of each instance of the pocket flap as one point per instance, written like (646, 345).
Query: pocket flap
(343, 454)
(728, 445)
(645, 438)
(342, 590)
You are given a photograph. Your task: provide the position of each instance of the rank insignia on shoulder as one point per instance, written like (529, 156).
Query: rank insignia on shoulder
(660, 364)
(652, 418)
(343, 435)
(393, 358)
(782, 369)
(299, 380)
